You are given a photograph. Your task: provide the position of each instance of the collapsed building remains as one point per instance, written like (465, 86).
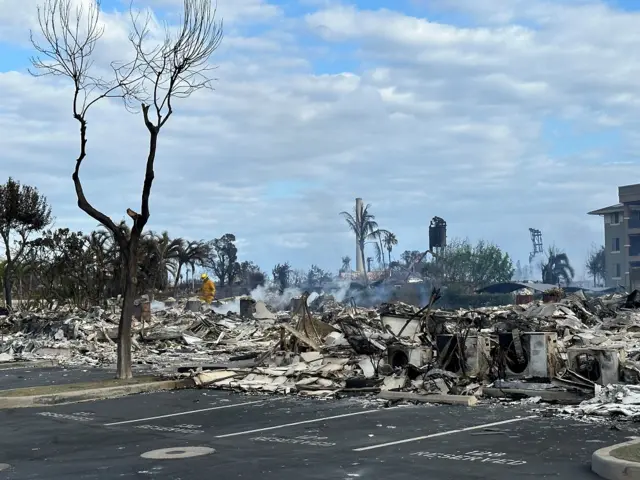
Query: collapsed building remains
(578, 351)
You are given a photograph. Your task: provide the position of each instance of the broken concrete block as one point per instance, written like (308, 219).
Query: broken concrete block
(310, 357)
(262, 313)
(6, 357)
(335, 339)
(366, 365)
(53, 352)
(468, 401)
(394, 382)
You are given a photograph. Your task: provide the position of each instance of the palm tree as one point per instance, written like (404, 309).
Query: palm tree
(167, 250)
(363, 225)
(557, 267)
(390, 241)
(282, 276)
(190, 254)
(346, 264)
(113, 256)
(595, 265)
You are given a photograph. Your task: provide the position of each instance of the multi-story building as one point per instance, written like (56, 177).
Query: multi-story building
(622, 238)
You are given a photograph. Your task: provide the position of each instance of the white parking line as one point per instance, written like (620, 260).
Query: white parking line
(433, 435)
(305, 421)
(220, 407)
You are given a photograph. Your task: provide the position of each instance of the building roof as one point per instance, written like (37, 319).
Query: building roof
(510, 287)
(610, 209)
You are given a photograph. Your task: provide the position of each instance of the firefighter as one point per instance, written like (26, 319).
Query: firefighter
(208, 290)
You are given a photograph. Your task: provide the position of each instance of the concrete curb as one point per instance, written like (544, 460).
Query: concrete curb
(29, 364)
(611, 468)
(93, 394)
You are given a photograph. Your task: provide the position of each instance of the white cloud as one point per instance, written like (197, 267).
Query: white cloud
(492, 126)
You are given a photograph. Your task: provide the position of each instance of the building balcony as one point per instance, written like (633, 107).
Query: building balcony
(634, 222)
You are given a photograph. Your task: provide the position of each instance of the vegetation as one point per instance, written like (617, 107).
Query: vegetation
(471, 266)
(23, 211)
(65, 267)
(556, 268)
(461, 265)
(154, 80)
(595, 264)
(364, 226)
(366, 230)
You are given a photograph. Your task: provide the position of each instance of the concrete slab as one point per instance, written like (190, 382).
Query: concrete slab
(71, 441)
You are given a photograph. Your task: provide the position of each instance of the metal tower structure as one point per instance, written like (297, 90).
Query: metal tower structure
(536, 241)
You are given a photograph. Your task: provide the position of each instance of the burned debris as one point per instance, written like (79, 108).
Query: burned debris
(571, 350)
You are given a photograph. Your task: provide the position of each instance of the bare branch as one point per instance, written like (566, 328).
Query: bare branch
(180, 65)
(176, 68)
(70, 36)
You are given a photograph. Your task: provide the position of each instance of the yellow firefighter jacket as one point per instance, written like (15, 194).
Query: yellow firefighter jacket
(208, 291)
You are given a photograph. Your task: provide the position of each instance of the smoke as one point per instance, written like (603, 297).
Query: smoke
(341, 291)
(271, 295)
(230, 306)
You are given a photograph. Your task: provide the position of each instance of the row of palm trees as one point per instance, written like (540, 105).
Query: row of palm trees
(161, 256)
(364, 226)
(86, 269)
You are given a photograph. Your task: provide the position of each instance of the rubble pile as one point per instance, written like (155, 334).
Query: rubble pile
(564, 351)
(170, 335)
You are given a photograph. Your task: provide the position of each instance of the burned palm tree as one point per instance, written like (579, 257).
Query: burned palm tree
(363, 224)
(390, 241)
(557, 267)
(346, 264)
(189, 254)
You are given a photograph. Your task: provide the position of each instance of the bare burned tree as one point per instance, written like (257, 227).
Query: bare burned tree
(153, 78)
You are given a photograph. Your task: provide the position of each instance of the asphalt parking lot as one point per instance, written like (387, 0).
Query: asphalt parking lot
(35, 377)
(208, 432)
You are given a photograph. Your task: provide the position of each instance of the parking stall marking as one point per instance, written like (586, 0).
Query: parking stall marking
(303, 422)
(186, 429)
(312, 440)
(219, 407)
(441, 434)
(78, 417)
(496, 458)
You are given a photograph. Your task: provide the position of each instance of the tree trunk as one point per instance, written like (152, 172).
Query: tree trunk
(126, 317)
(6, 280)
(364, 261)
(175, 286)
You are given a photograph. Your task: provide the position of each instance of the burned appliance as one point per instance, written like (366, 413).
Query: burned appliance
(600, 365)
(465, 356)
(527, 354)
(399, 355)
(397, 324)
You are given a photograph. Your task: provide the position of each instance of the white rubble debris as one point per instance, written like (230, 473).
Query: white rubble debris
(339, 348)
(609, 401)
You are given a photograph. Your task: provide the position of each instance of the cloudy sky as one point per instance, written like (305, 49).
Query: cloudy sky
(497, 115)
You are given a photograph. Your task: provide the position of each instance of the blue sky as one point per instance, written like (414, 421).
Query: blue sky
(496, 129)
